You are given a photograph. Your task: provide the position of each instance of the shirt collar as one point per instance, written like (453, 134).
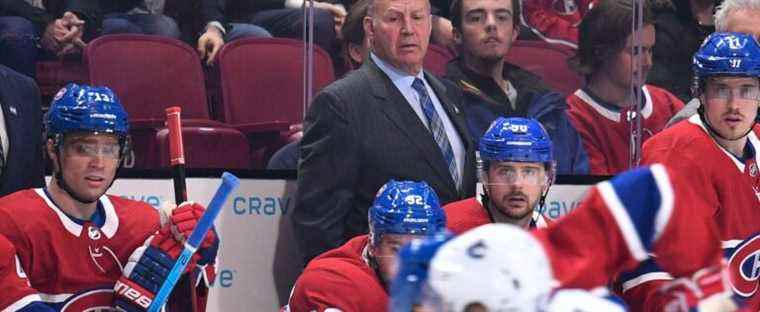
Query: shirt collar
(394, 73)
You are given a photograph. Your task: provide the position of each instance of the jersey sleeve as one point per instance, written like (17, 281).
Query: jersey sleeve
(639, 288)
(622, 222)
(321, 289)
(17, 294)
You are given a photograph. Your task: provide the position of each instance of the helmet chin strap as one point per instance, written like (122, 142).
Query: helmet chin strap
(66, 188)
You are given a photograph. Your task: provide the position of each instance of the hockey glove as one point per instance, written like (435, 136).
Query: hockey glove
(149, 265)
(706, 290)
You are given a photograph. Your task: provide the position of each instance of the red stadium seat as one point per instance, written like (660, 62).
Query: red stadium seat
(436, 59)
(151, 73)
(53, 75)
(549, 61)
(148, 74)
(207, 147)
(262, 89)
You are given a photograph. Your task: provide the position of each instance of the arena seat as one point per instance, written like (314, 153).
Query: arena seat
(208, 147)
(549, 61)
(149, 74)
(261, 82)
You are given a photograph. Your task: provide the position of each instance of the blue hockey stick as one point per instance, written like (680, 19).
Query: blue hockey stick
(229, 183)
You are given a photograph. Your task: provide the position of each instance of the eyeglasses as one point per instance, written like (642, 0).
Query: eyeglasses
(85, 149)
(725, 93)
(510, 175)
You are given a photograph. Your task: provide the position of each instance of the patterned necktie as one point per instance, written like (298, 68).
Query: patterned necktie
(436, 127)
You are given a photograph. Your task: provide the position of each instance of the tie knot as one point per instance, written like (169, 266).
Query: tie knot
(419, 86)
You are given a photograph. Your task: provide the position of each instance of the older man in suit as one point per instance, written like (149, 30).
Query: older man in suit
(21, 163)
(388, 119)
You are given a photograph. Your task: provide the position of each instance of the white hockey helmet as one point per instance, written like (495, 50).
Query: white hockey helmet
(498, 266)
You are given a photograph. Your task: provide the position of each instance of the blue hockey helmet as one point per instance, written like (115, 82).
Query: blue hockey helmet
(727, 53)
(414, 260)
(82, 108)
(516, 139)
(405, 207)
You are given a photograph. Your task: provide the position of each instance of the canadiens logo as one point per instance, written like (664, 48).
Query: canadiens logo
(93, 232)
(744, 266)
(96, 300)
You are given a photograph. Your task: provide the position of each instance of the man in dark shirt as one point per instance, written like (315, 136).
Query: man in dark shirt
(484, 32)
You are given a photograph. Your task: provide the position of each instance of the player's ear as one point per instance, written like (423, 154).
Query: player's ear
(51, 153)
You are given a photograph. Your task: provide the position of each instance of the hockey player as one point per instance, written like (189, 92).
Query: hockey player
(717, 148)
(498, 267)
(82, 250)
(602, 111)
(516, 168)
(354, 277)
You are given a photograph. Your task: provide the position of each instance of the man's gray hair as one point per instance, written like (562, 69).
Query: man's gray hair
(729, 7)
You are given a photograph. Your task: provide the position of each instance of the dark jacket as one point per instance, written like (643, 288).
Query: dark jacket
(240, 11)
(677, 37)
(92, 11)
(226, 11)
(21, 8)
(484, 101)
(359, 133)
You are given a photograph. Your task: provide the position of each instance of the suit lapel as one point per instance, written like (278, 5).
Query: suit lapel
(396, 108)
(10, 114)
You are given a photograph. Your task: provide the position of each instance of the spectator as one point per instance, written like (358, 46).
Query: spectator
(21, 24)
(233, 19)
(484, 32)
(21, 162)
(116, 17)
(681, 27)
(388, 119)
(603, 110)
(717, 149)
(555, 21)
(734, 16)
(355, 44)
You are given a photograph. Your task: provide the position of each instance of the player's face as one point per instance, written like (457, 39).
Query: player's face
(514, 188)
(89, 162)
(487, 29)
(385, 254)
(731, 104)
(619, 68)
(399, 31)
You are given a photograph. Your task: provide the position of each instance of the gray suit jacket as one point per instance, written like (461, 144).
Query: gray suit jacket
(359, 133)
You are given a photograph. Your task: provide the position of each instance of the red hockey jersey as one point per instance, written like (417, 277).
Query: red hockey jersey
(622, 221)
(72, 266)
(340, 279)
(556, 21)
(467, 214)
(14, 285)
(605, 129)
(731, 190)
